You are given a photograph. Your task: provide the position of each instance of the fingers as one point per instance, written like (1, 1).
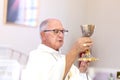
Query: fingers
(82, 44)
(85, 43)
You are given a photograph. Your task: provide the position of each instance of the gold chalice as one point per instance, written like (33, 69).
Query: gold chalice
(87, 31)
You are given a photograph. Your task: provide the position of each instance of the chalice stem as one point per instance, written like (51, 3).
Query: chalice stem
(87, 52)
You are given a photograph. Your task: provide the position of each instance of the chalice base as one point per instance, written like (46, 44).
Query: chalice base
(88, 59)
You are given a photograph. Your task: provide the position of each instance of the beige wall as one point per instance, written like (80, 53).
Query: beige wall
(106, 15)
(103, 13)
(25, 39)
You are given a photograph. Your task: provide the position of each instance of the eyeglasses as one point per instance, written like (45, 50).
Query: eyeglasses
(56, 31)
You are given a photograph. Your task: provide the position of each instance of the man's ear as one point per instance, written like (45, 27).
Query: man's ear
(42, 35)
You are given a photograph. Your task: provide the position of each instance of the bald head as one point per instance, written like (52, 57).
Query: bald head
(44, 24)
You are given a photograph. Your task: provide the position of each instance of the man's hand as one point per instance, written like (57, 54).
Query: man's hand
(82, 44)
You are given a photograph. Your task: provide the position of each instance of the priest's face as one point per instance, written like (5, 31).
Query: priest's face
(54, 34)
(83, 65)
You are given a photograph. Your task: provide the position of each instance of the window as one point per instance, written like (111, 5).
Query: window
(22, 12)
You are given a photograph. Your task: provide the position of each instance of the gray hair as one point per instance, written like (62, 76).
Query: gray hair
(43, 25)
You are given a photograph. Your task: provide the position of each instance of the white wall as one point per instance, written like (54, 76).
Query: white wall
(17, 37)
(25, 39)
(103, 13)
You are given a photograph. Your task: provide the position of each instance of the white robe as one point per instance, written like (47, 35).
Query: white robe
(46, 64)
(75, 74)
(84, 76)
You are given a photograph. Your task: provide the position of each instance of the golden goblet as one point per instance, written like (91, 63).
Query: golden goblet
(87, 31)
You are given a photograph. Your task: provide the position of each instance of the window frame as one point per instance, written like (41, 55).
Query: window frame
(12, 21)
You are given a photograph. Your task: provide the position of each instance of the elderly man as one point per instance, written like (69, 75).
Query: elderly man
(46, 62)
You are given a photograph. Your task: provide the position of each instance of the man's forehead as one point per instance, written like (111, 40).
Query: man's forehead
(55, 24)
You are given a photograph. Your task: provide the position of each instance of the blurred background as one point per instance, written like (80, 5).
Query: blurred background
(19, 30)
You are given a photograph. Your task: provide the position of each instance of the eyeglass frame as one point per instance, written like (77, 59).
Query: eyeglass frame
(56, 31)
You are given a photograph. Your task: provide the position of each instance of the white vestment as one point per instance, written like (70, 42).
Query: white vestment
(75, 74)
(46, 64)
(84, 76)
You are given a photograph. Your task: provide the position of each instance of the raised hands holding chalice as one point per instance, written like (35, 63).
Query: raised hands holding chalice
(87, 31)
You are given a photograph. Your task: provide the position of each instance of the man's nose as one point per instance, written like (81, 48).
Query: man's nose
(61, 33)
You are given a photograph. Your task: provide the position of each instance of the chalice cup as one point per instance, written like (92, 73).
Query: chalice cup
(87, 31)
